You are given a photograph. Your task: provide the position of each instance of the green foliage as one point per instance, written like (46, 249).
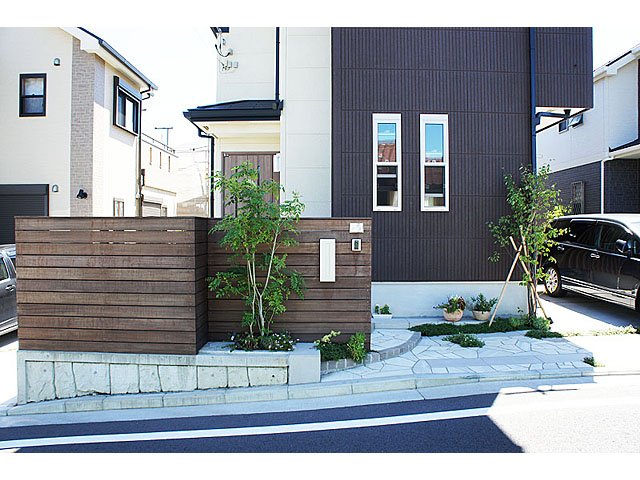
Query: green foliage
(254, 234)
(592, 361)
(330, 350)
(465, 340)
(540, 323)
(500, 324)
(384, 310)
(543, 334)
(356, 348)
(270, 341)
(534, 205)
(453, 304)
(482, 304)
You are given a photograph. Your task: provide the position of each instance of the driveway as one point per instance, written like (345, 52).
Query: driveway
(574, 312)
(8, 376)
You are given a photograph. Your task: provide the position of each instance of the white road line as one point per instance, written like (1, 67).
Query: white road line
(244, 431)
(316, 426)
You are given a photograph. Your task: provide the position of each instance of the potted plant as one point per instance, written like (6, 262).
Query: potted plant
(453, 308)
(481, 307)
(382, 313)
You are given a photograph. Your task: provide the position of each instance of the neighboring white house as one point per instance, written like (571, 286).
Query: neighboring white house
(595, 156)
(159, 168)
(71, 117)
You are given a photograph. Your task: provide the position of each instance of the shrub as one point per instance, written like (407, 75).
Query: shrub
(270, 341)
(453, 304)
(385, 310)
(592, 361)
(543, 334)
(465, 340)
(482, 304)
(356, 348)
(519, 322)
(540, 323)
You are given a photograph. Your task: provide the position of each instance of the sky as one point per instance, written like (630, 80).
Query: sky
(182, 62)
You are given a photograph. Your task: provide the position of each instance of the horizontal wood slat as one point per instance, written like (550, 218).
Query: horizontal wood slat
(343, 305)
(134, 285)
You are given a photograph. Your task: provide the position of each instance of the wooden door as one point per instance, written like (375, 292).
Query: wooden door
(263, 161)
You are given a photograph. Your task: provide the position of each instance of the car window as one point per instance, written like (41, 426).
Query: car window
(609, 235)
(582, 233)
(562, 225)
(13, 260)
(4, 274)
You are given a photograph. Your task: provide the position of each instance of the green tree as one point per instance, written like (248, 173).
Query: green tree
(255, 233)
(534, 204)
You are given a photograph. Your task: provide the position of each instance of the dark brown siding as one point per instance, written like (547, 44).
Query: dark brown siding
(564, 67)
(134, 285)
(478, 76)
(344, 306)
(590, 175)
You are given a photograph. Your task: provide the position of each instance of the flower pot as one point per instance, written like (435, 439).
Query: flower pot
(480, 315)
(381, 316)
(453, 317)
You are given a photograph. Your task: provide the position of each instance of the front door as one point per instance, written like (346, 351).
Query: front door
(263, 161)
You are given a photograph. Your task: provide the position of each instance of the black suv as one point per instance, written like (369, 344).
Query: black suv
(599, 256)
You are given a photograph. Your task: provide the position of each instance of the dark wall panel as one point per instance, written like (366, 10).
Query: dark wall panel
(479, 77)
(590, 175)
(564, 67)
(622, 186)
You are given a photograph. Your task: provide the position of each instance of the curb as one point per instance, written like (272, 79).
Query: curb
(333, 366)
(292, 392)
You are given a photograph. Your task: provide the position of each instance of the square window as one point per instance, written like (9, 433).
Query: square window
(33, 92)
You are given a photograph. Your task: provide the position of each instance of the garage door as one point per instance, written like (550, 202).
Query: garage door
(20, 200)
(151, 209)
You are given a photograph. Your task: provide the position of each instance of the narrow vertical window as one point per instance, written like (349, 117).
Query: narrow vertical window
(434, 162)
(118, 207)
(33, 93)
(387, 162)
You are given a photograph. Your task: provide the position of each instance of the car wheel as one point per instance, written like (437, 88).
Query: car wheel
(552, 282)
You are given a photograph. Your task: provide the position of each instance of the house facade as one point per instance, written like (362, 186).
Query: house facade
(70, 126)
(595, 156)
(414, 127)
(159, 168)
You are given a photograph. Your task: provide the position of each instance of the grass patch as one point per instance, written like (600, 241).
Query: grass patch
(543, 334)
(500, 325)
(465, 340)
(592, 361)
(628, 330)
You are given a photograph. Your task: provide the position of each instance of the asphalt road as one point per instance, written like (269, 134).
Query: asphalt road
(591, 417)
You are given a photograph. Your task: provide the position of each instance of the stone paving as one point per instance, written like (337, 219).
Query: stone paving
(503, 352)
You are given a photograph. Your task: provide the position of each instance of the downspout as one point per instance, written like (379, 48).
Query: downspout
(211, 167)
(534, 118)
(139, 156)
(278, 64)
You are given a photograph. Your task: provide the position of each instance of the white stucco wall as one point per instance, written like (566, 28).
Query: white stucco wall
(305, 124)
(115, 153)
(613, 121)
(254, 51)
(36, 149)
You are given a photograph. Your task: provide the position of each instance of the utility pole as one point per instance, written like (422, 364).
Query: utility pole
(166, 129)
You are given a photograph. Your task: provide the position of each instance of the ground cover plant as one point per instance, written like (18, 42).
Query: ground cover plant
(500, 324)
(592, 361)
(465, 340)
(331, 350)
(255, 233)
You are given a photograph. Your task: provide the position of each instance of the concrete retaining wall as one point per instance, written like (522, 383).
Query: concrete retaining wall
(49, 375)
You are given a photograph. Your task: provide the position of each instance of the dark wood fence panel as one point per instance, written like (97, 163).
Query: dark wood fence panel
(133, 285)
(343, 305)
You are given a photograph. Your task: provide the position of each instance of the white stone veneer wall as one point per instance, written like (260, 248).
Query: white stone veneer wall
(417, 299)
(48, 375)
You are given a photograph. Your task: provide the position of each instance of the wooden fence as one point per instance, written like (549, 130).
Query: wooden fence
(133, 285)
(343, 305)
(138, 285)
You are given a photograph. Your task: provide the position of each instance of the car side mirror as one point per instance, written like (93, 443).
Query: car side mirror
(623, 247)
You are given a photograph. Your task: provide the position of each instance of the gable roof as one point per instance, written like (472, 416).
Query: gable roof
(105, 51)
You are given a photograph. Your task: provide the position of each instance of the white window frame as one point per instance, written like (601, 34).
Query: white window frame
(441, 119)
(387, 118)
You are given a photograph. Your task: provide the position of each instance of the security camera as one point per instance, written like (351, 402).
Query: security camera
(82, 194)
